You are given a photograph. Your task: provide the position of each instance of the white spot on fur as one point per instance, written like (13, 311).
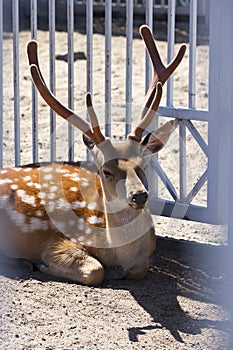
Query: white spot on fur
(27, 178)
(77, 204)
(53, 188)
(39, 213)
(84, 183)
(4, 171)
(81, 224)
(81, 220)
(26, 170)
(33, 184)
(14, 187)
(94, 220)
(73, 189)
(52, 195)
(22, 222)
(38, 186)
(48, 177)
(46, 170)
(41, 195)
(88, 231)
(29, 200)
(75, 177)
(50, 207)
(92, 206)
(17, 169)
(67, 174)
(5, 181)
(62, 204)
(21, 193)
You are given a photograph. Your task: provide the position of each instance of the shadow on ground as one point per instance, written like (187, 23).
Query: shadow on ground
(179, 268)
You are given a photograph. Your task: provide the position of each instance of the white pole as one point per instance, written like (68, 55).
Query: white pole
(170, 52)
(52, 77)
(1, 83)
(108, 53)
(149, 22)
(70, 33)
(34, 90)
(15, 16)
(192, 52)
(129, 54)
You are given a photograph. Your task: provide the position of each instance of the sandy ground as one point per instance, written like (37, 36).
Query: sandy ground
(180, 305)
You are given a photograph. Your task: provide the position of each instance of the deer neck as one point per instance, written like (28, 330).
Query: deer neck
(125, 224)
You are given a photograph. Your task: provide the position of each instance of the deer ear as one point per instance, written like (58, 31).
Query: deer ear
(89, 143)
(155, 141)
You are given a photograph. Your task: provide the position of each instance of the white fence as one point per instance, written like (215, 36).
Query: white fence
(214, 180)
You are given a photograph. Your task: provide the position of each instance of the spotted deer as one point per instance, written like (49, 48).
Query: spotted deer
(89, 221)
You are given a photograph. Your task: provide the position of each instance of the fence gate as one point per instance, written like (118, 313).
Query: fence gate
(203, 130)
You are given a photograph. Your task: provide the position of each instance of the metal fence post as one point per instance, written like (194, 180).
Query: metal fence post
(1, 83)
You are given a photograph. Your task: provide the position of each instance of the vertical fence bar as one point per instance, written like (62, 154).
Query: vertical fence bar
(70, 32)
(52, 77)
(149, 22)
(192, 52)
(15, 22)
(108, 52)
(89, 30)
(1, 83)
(182, 141)
(182, 126)
(89, 53)
(129, 55)
(34, 90)
(170, 52)
(153, 183)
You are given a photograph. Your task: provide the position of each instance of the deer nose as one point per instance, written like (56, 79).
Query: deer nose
(139, 198)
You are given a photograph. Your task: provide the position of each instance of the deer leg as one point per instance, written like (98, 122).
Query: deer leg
(137, 272)
(69, 260)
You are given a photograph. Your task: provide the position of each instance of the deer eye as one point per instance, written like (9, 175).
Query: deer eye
(107, 174)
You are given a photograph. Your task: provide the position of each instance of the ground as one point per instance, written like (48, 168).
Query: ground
(181, 304)
(183, 301)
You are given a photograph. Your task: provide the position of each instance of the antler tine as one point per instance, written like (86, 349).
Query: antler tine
(145, 122)
(160, 72)
(93, 118)
(160, 76)
(52, 101)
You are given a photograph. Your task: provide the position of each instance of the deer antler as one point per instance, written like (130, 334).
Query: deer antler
(95, 134)
(160, 76)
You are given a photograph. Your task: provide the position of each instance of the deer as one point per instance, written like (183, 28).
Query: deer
(88, 221)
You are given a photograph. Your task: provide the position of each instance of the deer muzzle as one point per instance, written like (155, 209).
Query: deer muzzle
(138, 199)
